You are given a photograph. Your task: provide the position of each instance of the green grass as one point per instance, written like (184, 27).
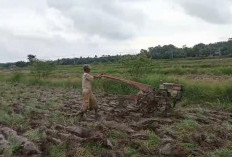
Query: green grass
(116, 134)
(15, 148)
(189, 146)
(132, 151)
(118, 88)
(220, 153)
(5, 117)
(13, 120)
(17, 77)
(153, 141)
(139, 146)
(209, 92)
(58, 151)
(58, 118)
(94, 148)
(186, 127)
(35, 135)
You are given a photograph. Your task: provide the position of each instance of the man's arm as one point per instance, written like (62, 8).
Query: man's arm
(98, 76)
(91, 78)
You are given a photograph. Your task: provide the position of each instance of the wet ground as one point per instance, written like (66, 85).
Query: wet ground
(44, 122)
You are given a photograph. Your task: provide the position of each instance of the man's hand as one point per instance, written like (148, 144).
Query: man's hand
(98, 76)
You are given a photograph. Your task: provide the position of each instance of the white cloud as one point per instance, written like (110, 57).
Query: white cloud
(107, 19)
(213, 11)
(36, 23)
(53, 29)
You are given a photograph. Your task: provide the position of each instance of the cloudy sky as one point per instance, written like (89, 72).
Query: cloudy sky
(53, 29)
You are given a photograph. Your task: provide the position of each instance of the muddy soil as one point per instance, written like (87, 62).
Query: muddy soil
(118, 130)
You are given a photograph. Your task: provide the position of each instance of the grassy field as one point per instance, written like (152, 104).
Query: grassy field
(39, 109)
(206, 82)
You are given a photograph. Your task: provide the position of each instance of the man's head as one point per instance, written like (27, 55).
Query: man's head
(86, 68)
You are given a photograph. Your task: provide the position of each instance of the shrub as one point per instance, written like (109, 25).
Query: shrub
(42, 68)
(137, 66)
(109, 86)
(16, 77)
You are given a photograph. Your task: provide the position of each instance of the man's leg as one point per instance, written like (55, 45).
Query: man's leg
(86, 101)
(93, 103)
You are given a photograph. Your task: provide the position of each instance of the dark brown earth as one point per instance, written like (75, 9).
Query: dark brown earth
(118, 131)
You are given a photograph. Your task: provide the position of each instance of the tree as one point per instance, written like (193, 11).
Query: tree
(199, 49)
(42, 68)
(137, 65)
(31, 58)
(21, 64)
(145, 52)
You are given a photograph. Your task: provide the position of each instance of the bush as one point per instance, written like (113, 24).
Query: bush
(109, 86)
(42, 68)
(137, 66)
(16, 77)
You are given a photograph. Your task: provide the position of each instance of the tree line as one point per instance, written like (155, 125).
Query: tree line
(159, 52)
(199, 50)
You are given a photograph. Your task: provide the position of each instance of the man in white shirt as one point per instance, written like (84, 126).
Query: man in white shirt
(89, 99)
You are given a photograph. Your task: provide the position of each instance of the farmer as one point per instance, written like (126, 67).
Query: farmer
(89, 99)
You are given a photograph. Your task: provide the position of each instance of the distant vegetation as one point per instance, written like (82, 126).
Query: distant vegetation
(159, 52)
(199, 50)
(137, 66)
(42, 69)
